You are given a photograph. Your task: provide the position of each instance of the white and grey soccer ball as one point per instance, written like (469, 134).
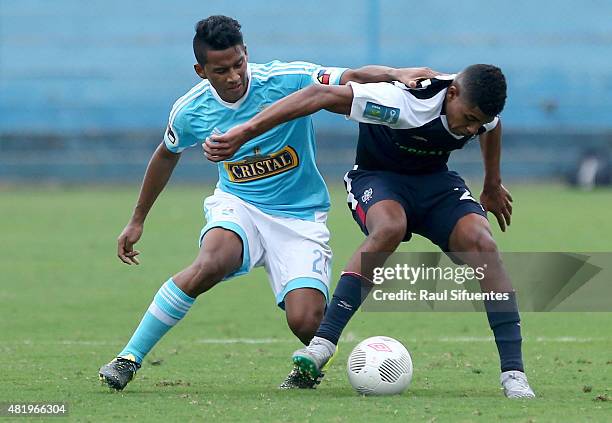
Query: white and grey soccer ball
(379, 366)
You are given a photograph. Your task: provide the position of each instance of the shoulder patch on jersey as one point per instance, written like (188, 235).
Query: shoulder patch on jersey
(329, 76)
(323, 76)
(381, 113)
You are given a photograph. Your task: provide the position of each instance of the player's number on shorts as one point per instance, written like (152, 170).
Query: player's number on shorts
(467, 196)
(317, 261)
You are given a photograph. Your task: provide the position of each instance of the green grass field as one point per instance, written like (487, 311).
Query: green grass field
(67, 305)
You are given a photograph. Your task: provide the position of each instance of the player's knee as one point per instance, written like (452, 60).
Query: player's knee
(486, 244)
(206, 271)
(479, 241)
(388, 235)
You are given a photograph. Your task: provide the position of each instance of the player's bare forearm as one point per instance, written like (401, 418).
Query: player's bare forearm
(490, 146)
(158, 173)
(336, 99)
(371, 73)
(376, 73)
(156, 177)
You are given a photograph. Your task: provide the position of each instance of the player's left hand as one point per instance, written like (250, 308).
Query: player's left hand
(497, 200)
(411, 77)
(219, 147)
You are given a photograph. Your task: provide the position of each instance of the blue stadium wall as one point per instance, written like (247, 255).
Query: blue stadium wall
(86, 86)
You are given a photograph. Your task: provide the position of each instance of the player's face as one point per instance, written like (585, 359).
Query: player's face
(463, 118)
(226, 70)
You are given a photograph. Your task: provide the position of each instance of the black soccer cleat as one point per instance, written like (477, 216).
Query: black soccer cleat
(300, 380)
(118, 372)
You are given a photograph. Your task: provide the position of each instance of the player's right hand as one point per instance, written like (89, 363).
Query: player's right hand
(498, 200)
(125, 243)
(219, 147)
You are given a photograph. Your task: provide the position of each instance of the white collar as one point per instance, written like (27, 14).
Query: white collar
(445, 124)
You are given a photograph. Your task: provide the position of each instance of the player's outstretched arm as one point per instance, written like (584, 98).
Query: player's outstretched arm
(495, 198)
(336, 99)
(376, 73)
(156, 177)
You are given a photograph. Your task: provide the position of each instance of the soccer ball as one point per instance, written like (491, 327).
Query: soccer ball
(379, 366)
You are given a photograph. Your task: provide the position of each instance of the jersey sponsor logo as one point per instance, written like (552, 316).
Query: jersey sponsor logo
(261, 166)
(421, 152)
(171, 136)
(380, 113)
(417, 138)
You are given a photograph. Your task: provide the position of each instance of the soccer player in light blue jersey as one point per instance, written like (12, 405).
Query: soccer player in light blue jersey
(270, 205)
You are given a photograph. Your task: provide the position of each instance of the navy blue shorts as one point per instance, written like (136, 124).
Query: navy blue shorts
(433, 202)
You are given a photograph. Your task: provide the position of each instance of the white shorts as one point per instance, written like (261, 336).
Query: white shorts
(294, 252)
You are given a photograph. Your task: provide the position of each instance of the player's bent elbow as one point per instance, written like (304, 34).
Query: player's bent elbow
(337, 99)
(311, 99)
(318, 97)
(320, 94)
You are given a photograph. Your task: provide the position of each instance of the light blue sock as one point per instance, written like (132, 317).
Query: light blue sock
(168, 307)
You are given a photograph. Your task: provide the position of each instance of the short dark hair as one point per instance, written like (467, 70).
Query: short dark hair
(216, 32)
(484, 86)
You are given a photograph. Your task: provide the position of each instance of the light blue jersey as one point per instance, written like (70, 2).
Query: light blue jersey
(276, 171)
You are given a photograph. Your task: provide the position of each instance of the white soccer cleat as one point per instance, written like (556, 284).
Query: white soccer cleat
(515, 385)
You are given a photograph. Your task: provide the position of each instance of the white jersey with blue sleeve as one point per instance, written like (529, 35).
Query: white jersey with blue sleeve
(276, 171)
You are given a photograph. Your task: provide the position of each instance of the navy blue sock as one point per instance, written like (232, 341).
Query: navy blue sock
(347, 298)
(505, 322)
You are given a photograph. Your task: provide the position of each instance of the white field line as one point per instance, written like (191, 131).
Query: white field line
(228, 341)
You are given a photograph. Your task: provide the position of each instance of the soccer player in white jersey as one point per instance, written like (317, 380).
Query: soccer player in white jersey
(270, 205)
(401, 185)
